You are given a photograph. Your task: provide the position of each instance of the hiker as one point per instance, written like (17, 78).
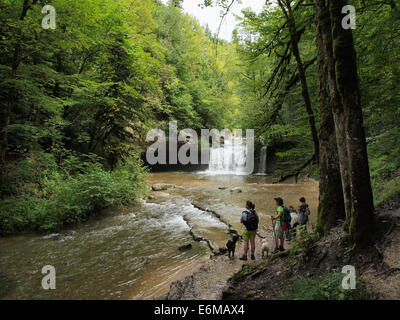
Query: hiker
(304, 212)
(294, 222)
(287, 219)
(278, 225)
(250, 221)
(308, 176)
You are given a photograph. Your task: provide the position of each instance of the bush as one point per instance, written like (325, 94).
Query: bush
(62, 199)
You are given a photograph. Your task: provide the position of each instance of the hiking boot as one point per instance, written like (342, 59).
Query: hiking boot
(281, 248)
(244, 258)
(253, 257)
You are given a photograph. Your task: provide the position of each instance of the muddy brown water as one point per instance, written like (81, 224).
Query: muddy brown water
(132, 252)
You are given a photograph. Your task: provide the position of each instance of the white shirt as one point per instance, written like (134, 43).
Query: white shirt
(295, 219)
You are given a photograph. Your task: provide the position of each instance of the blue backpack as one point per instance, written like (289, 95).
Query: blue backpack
(287, 218)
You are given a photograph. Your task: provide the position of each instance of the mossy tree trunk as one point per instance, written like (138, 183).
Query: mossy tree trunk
(360, 221)
(323, 20)
(331, 202)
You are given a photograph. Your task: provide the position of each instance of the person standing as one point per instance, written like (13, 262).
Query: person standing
(277, 221)
(294, 221)
(287, 218)
(249, 220)
(304, 212)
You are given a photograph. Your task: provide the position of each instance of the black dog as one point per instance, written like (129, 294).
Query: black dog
(231, 245)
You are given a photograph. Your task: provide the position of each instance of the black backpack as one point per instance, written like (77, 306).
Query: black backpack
(251, 222)
(303, 214)
(287, 218)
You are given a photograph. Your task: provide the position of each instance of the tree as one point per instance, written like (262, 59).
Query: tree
(343, 84)
(291, 23)
(331, 202)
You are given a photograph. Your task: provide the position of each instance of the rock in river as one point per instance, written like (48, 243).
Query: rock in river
(236, 190)
(185, 247)
(161, 186)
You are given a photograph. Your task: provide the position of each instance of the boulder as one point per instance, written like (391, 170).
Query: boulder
(159, 187)
(162, 186)
(236, 190)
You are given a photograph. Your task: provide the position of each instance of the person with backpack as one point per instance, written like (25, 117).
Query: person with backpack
(250, 221)
(304, 212)
(287, 219)
(277, 222)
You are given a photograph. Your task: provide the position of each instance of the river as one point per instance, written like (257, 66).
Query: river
(132, 252)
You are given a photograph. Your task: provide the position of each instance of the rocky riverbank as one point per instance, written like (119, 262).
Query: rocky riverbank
(310, 259)
(212, 280)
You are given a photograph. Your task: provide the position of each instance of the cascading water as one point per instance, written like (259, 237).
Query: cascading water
(229, 158)
(262, 168)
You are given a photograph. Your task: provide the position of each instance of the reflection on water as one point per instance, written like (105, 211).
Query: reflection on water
(132, 252)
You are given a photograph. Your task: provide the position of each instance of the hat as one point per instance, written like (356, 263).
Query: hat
(279, 200)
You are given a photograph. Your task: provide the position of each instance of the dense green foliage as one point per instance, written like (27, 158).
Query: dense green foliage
(60, 197)
(77, 101)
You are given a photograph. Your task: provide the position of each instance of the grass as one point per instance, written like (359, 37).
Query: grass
(246, 269)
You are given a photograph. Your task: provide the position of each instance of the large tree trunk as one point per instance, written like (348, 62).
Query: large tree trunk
(360, 220)
(331, 202)
(287, 10)
(324, 25)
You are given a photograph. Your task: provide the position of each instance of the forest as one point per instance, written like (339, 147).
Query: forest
(77, 101)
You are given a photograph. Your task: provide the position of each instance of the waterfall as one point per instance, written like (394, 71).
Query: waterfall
(262, 168)
(230, 158)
